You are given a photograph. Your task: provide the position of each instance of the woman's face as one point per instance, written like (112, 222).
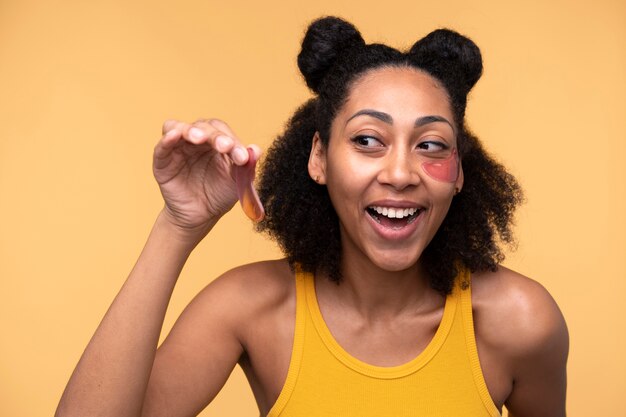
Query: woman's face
(390, 166)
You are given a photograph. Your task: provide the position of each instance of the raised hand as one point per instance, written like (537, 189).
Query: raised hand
(194, 165)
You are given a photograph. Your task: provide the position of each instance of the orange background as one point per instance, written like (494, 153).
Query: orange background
(85, 86)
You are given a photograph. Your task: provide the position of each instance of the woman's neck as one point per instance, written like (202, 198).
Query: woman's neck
(376, 294)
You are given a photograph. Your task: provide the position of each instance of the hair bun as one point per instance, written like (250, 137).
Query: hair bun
(451, 57)
(323, 43)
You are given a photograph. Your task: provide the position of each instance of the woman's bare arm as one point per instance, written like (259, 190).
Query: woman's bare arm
(112, 375)
(193, 165)
(539, 358)
(523, 342)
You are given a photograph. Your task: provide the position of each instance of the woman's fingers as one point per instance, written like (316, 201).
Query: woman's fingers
(212, 132)
(221, 126)
(221, 138)
(239, 152)
(168, 125)
(163, 149)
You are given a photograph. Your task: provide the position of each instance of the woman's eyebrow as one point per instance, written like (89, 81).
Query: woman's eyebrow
(424, 120)
(384, 117)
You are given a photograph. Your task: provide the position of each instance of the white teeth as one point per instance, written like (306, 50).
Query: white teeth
(394, 213)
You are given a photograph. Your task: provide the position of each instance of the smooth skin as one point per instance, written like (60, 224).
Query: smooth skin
(247, 315)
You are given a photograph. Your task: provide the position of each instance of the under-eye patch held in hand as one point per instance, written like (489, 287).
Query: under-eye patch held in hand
(444, 170)
(244, 177)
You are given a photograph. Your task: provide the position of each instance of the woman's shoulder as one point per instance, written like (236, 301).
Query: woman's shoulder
(515, 314)
(269, 272)
(260, 282)
(250, 292)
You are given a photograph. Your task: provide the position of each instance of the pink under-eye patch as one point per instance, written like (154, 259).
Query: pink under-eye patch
(248, 197)
(445, 170)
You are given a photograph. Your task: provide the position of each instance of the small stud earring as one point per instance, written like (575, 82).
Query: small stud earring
(457, 190)
(317, 179)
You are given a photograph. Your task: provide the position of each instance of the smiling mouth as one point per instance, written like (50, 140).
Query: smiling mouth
(394, 218)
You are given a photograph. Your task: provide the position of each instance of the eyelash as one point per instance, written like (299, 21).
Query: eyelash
(358, 140)
(441, 146)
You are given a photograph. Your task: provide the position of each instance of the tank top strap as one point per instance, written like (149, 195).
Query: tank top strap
(463, 287)
(298, 344)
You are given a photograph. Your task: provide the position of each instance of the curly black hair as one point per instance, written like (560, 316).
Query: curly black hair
(299, 212)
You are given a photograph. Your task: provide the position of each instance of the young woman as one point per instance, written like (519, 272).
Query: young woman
(390, 300)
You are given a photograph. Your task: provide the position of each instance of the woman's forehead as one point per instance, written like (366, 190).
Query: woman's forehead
(398, 90)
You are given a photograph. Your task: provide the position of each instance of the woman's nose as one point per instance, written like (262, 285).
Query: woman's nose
(399, 169)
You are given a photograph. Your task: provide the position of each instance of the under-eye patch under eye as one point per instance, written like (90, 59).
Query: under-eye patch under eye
(444, 169)
(244, 177)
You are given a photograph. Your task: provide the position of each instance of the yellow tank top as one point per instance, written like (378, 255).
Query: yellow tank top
(326, 381)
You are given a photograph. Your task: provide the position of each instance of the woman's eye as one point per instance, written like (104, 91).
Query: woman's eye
(367, 141)
(432, 146)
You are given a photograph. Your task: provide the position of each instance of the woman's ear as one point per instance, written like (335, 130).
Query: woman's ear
(317, 160)
(458, 184)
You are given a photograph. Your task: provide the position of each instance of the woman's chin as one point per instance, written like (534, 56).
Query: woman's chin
(395, 262)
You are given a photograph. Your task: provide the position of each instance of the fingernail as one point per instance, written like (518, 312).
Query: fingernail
(223, 142)
(240, 155)
(196, 133)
